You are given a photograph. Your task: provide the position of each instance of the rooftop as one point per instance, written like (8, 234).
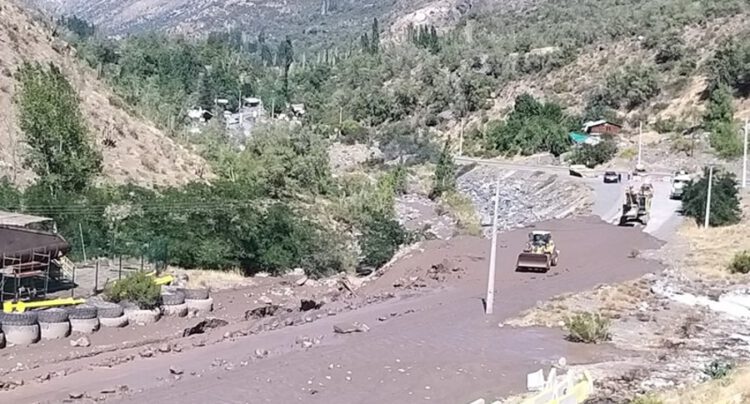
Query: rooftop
(19, 219)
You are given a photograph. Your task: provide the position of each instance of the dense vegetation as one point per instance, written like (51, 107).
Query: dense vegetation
(276, 205)
(725, 202)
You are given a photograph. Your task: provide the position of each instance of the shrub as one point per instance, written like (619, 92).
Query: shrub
(633, 86)
(592, 156)
(740, 263)
(589, 328)
(647, 399)
(445, 173)
(717, 369)
(381, 238)
(137, 288)
(725, 202)
(666, 125)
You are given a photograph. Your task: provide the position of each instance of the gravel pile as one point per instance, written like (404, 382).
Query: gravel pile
(525, 197)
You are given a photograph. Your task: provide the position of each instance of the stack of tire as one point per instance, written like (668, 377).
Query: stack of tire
(53, 323)
(173, 303)
(198, 300)
(20, 328)
(83, 319)
(139, 316)
(111, 315)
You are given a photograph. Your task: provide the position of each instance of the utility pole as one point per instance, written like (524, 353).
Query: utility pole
(640, 144)
(490, 300)
(744, 158)
(461, 139)
(708, 197)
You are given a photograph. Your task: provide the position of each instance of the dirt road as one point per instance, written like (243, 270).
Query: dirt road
(438, 347)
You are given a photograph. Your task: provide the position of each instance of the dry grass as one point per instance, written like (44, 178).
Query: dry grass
(217, 280)
(711, 250)
(734, 389)
(609, 301)
(462, 209)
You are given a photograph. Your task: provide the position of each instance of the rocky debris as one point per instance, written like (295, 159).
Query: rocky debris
(76, 395)
(301, 281)
(165, 348)
(261, 353)
(308, 342)
(309, 304)
(525, 197)
(419, 213)
(203, 326)
(349, 328)
(6, 385)
(265, 299)
(146, 353)
(261, 312)
(175, 370)
(82, 342)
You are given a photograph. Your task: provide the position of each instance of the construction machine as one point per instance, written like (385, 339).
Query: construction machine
(540, 253)
(637, 206)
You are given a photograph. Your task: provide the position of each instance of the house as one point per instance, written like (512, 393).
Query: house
(602, 128)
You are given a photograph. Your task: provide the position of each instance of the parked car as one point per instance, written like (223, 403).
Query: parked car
(611, 177)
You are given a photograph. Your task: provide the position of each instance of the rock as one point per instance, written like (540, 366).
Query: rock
(265, 299)
(204, 325)
(177, 348)
(175, 371)
(261, 353)
(82, 342)
(301, 281)
(350, 328)
(261, 312)
(146, 353)
(76, 395)
(308, 304)
(165, 348)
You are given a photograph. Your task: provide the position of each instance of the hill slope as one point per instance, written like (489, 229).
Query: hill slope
(314, 21)
(139, 152)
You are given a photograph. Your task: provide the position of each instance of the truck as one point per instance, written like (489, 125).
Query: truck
(636, 209)
(679, 181)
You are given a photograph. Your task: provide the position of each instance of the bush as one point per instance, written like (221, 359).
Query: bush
(592, 156)
(532, 127)
(647, 399)
(589, 328)
(731, 65)
(666, 125)
(137, 288)
(725, 202)
(740, 263)
(717, 369)
(381, 238)
(445, 173)
(632, 87)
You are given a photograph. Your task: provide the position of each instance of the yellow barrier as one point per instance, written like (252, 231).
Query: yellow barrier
(21, 307)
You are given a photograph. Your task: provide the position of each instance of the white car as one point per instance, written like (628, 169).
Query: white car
(679, 182)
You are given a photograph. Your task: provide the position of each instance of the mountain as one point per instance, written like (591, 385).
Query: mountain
(133, 149)
(311, 21)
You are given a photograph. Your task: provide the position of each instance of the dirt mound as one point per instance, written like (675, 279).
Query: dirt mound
(134, 151)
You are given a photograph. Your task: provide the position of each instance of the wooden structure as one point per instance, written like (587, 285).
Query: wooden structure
(26, 278)
(602, 128)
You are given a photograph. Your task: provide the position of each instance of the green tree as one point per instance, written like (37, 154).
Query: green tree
(633, 86)
(375, 37)
(731, 65)
(725, 202)
(380, 240)
(532, 127)
(592, 156)
(60, 152)
(286, 58)
(445, 173)
(719, 120)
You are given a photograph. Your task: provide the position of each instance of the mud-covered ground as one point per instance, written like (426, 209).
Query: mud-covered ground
(422, 333)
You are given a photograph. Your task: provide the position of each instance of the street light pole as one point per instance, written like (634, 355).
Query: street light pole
(490, 300)
(708, 197)
(744, 159)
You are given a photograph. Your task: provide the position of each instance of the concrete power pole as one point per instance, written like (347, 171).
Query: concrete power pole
(744, 158)
(640, 144)
(708, 196)
(490, 300)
